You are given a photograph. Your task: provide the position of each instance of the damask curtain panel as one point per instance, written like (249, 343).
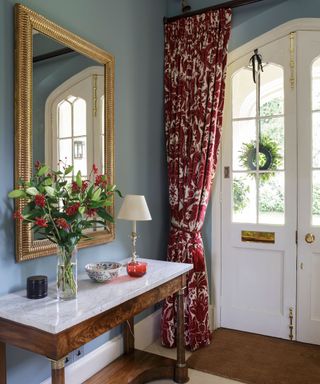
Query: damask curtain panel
(194, 83)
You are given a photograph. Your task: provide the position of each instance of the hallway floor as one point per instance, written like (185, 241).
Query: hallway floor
(249, 358)
(196, 377)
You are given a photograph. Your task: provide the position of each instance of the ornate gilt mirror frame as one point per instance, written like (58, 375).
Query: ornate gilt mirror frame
(26, 21)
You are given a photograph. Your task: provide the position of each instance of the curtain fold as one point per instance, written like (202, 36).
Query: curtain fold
(194, 83)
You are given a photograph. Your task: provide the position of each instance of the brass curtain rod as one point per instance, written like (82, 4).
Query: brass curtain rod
(227, 4)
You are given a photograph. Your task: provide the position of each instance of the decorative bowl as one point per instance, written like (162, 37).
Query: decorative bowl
(103, 270)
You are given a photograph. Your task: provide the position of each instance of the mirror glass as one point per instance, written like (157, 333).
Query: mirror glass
(64, 106)
(67, 108)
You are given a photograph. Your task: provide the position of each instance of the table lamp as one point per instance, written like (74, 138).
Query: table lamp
(134, 208)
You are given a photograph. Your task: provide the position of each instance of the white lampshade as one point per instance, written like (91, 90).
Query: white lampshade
(134, 207)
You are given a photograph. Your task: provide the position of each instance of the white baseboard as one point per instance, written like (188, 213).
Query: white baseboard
(147, 331)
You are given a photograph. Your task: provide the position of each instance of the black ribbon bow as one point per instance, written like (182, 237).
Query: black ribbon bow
(256, 62)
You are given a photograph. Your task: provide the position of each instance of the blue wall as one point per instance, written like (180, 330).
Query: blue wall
(132, 32)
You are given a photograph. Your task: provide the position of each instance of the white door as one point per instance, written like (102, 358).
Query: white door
(308, 108)
(259, 278)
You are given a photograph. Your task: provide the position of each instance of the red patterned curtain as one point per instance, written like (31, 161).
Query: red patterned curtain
(195, 64)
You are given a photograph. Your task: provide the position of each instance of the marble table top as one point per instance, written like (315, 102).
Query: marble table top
(54, 316)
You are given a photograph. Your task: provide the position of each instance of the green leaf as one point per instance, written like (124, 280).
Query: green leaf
(43, 170)
(47, 181)
(36, 212)
(96, 194)
(97, 204)
(41, 189)
(32, 191)
(118, 192)
(105, 215)
(17, 193)
(81, 210)
(50, 191)
(68, 170)
(26, 210)
(78, 179)
(86, 224)
(90, 191)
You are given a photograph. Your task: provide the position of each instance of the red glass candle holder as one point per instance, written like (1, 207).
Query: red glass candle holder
(136, 268)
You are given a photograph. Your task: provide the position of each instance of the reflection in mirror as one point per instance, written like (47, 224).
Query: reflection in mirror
(63, 110)
(68, 94)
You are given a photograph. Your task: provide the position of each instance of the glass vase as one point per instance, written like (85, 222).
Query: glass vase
(67, 284)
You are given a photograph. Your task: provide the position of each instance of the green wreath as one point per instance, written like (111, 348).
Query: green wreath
(269, 156)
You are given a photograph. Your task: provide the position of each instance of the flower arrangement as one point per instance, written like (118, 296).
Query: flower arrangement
(62, 209)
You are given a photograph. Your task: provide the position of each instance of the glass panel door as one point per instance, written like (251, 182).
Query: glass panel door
(259, 195)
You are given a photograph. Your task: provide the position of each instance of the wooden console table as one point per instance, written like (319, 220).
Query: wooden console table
(54, 329)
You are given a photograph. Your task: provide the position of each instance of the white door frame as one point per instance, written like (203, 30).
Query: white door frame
(303, 24)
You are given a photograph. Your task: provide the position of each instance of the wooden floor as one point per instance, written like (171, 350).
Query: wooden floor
(143, 365)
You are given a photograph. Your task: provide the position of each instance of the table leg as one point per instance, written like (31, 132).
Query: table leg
(3, 367)
(181, 369)
(128, 336)
(57, 371)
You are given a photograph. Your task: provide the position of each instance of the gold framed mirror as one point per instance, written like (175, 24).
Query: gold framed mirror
(32, 141)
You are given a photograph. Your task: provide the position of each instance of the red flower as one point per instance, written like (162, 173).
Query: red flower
(41, 222)
(40, 200)
(91, 212)
(17, 215)
(73, 209)
(62, 223)
(95, 169)
(85, 185)
(100, 181)
(74, 187)
(37, 165)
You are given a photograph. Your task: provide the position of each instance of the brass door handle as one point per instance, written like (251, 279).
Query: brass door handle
(310, 238)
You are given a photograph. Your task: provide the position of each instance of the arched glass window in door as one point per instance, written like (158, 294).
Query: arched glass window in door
(316, 142)
(258, 146)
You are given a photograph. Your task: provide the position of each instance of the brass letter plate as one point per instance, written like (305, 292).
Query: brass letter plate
(258, 237)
